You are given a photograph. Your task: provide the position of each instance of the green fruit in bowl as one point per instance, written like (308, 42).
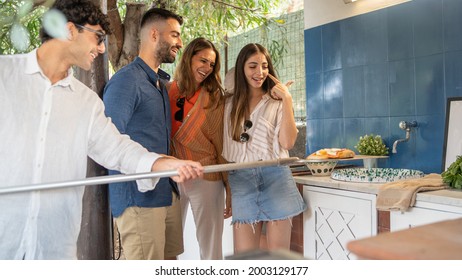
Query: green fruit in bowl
(371, 145)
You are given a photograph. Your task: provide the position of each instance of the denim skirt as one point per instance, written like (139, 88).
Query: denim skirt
(264, 194)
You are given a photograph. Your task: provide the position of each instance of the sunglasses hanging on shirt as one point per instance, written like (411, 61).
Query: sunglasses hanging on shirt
(179, 114)
(244, 135)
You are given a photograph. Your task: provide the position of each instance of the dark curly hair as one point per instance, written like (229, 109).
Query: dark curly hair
(80, 12)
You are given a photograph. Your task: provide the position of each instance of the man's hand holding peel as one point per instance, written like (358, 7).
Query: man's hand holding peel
(187, 169)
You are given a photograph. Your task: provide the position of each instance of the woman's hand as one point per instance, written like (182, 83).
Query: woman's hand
(227, 212)
(288, 131)
(280, 90)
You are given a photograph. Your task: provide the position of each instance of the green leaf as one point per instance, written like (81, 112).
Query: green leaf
(54, 22)
(25, 8)
(19, 36)
(453, 175)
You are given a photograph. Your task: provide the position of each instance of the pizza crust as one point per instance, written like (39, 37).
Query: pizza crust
(332, 153)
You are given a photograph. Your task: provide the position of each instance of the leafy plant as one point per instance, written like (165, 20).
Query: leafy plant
(371, 145)
(213, 19)
(20, 24)
(453, 175)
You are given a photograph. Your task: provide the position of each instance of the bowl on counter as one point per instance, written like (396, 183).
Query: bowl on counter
(321, 167)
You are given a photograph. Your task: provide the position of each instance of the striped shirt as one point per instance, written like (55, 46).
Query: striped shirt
(264, 134)
(199, 137)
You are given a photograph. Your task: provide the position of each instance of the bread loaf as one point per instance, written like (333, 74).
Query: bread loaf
(334, 153)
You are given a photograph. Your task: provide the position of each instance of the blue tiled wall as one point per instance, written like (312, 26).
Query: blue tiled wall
(367, 73)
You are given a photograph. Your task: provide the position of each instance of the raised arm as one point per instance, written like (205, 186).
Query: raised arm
(288, 132)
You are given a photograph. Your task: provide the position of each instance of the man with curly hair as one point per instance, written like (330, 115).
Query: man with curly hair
(50, 124)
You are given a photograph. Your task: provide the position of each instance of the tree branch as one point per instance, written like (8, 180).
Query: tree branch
(131, 31)
(37, 3)
(233, 6)
(116, 39)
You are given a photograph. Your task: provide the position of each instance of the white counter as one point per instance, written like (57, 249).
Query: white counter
(450, 197)
(339, 212)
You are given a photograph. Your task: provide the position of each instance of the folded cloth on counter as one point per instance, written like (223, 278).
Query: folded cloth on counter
(400, 195)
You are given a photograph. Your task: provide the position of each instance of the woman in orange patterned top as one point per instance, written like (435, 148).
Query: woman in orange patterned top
(197, 102)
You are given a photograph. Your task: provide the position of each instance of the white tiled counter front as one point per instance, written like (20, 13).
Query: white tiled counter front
(339, 212)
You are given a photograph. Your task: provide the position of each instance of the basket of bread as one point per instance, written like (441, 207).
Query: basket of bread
(323, 162)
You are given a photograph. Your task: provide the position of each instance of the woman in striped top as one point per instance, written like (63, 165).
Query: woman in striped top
(259, 125)
(196, 101)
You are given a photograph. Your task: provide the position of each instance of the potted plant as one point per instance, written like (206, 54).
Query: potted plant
(371, 145)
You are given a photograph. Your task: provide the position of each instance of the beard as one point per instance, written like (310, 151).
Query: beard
(164, 53)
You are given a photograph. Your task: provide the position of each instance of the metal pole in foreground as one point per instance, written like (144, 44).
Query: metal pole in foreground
(137, 176)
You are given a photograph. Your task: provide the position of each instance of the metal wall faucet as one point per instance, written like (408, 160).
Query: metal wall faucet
(407, 127)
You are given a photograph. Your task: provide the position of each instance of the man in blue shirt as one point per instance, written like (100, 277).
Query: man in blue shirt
(137, 101)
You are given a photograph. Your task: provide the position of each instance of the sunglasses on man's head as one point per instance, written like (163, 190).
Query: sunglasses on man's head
(244, 135)
(100, 34)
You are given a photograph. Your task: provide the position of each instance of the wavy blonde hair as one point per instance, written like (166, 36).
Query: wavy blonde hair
(185, 78)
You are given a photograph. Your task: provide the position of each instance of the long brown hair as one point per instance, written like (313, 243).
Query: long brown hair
(185, 78)
(241, 88)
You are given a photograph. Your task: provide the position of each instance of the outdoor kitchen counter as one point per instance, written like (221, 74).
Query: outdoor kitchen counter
(446, 197)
